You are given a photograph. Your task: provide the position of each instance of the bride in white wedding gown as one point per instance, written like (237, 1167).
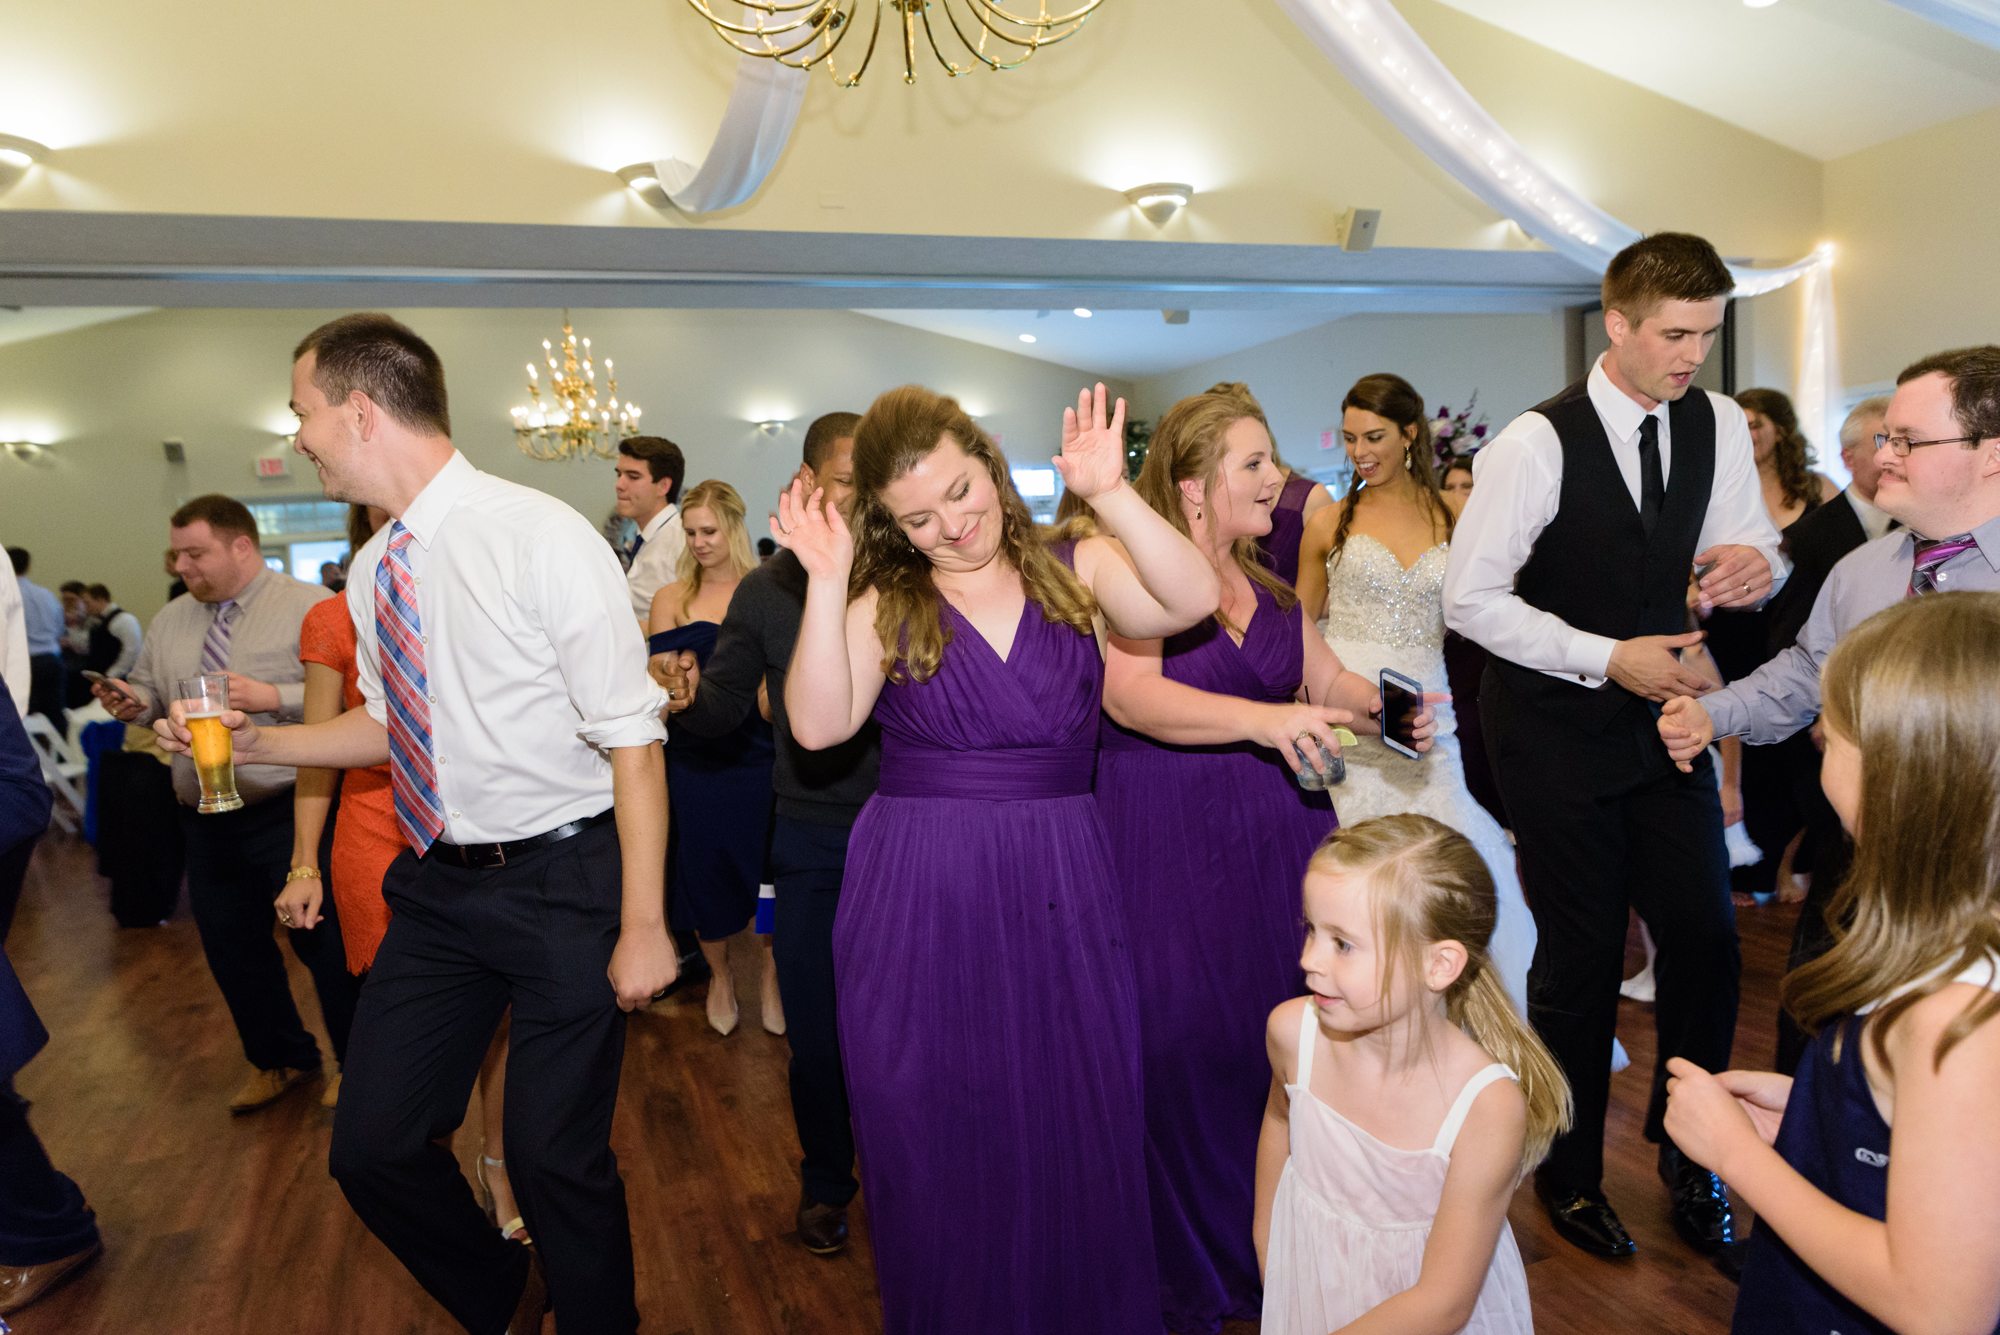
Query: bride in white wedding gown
(1374, 566)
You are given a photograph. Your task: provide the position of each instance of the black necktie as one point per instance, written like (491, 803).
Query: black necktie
(1652, 483)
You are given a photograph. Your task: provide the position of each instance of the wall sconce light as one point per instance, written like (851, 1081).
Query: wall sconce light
(772, 427)
(16, 156)
(643, 179)
(1160, 201)
(27, 451)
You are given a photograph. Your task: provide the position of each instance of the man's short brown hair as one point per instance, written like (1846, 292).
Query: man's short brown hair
(387, 361)
(824, 431)
(100, 592)
(1666, 266)
(226, 517)
(1975, 386)
(663, 460)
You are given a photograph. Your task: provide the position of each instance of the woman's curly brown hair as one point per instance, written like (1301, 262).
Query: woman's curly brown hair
(1793, 457)
(900, 430)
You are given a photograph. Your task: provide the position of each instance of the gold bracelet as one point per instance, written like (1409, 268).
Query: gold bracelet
(302, 874)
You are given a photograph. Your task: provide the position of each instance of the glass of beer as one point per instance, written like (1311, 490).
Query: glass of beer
(203, 699)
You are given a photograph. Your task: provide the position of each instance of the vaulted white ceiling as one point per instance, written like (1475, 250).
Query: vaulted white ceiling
(1824, 77)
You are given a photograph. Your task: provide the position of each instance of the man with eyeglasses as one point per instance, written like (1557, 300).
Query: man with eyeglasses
(1938, 452)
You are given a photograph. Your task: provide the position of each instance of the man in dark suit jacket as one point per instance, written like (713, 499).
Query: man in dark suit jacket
(1825, 533)
(1815, 543)
(47, 1233)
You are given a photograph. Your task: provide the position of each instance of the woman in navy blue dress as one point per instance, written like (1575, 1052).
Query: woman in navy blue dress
(718, 788)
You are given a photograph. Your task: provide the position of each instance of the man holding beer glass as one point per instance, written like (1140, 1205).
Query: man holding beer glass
(232, 642)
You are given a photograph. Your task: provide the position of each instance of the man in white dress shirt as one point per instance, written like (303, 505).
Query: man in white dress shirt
(1570, 565)
(506, 691)
(650, 472)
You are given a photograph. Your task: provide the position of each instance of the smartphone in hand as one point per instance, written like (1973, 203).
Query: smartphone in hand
(1402, 701)
(99, 679)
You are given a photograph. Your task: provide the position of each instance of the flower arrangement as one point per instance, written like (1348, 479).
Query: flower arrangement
(1455, 435)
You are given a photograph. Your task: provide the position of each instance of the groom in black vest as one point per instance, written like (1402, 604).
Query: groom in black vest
(1571, 566)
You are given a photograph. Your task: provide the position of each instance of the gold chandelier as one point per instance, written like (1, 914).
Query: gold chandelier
(571, 424)
(803, 33)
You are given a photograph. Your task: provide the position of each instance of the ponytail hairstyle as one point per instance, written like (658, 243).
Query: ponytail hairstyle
(1913, 687)
(1188, 445)
(719, 499)
(900, 430)
(1793, 454)
(1427, 883)
(1396, 401)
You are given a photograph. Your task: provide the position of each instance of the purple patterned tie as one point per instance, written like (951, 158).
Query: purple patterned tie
(1932, 553)
(215, 645)
(406, 695)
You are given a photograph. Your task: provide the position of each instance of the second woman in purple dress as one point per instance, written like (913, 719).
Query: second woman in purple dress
(1211, 837)
(988, 1020)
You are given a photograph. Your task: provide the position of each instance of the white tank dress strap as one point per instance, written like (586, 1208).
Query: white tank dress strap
(1308, 1037)
(1448, 1133)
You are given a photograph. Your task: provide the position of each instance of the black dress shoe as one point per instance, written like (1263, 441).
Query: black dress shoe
(1585, 1221)
(1701, 1203)
(822, 1227)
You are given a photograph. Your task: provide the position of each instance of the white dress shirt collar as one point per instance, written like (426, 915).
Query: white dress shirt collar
(667, 515)
(1618, 410)
(423, 516)
(1875, 521)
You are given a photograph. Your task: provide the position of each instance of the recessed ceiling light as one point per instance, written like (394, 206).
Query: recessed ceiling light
(16, 156)
(1161, 200)
(1027, 338)
(1082, 314)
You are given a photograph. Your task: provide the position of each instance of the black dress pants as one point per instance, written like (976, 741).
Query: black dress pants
(1604, 821)
(45, 690)
(236, 866)
(140, 848)
(1780, 783)
(807, 862)
(1812, 936)
(462, 946)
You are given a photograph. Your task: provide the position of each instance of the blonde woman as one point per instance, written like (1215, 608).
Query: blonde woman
(719, 788)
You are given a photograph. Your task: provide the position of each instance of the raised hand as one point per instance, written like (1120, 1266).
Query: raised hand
(814, 531)
(1092, 461)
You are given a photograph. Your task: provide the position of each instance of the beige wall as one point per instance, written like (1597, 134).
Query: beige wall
(96, 507)
(1917, 221)
(505, 111)
(1512, 361)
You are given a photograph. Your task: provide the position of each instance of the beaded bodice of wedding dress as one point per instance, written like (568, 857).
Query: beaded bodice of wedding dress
(1381, 615)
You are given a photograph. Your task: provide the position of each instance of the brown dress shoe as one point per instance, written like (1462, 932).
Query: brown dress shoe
(266, 1087)
(822, 1227)
(21, 1285)
(527, 1318)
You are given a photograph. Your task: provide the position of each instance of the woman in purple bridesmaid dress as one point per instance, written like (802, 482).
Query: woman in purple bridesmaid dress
(988, 1021)
(1211, 837)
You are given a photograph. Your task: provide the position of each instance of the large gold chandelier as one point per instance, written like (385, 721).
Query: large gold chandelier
(804, 33)
(571, 424)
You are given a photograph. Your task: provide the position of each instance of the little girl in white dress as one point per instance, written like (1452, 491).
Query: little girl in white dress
(1408, 1098)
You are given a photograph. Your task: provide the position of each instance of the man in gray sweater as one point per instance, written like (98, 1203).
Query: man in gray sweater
(819, 795)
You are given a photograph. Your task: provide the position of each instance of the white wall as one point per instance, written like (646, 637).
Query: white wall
(1512, 361)
(95, 507)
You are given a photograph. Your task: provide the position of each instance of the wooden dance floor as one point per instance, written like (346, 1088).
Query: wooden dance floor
(231, 1226)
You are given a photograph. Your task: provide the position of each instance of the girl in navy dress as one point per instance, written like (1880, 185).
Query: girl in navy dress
(1875, 1172)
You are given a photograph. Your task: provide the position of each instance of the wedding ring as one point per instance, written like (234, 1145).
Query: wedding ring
(1746, 588)
(285, 918)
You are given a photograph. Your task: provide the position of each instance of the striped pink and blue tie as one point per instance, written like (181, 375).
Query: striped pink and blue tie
(1932, 553)
(406, 692)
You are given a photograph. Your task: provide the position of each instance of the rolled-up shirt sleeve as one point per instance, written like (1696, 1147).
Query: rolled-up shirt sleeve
(1517, 487)
(584, 604)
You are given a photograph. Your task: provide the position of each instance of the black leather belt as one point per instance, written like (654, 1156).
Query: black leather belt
(484, 857)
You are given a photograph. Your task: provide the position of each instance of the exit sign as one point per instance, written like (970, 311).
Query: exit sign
(277, 467)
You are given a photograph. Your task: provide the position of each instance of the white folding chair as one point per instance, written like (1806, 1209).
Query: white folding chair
(64, 768)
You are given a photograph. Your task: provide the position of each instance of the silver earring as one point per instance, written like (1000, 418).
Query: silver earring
(1409, 464)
